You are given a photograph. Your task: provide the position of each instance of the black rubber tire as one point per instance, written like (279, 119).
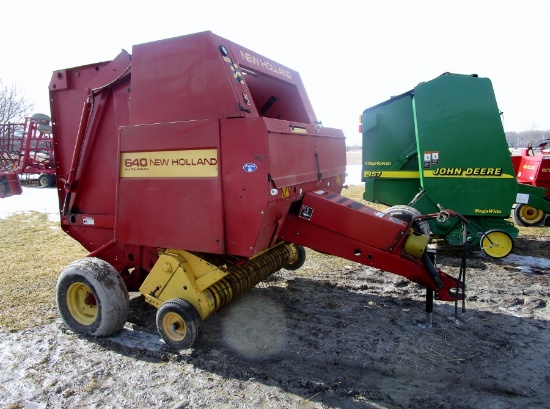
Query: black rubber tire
(44, 180)
(105, 307)
(406, 213)
(300, 261)
(518, 209)
(52, 180)
(178, 323)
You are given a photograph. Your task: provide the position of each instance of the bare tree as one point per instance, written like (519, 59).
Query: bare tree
(14, 107)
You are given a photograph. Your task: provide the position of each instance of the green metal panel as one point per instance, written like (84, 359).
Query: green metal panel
(443, 144)
(445, 137)
(462, 148)
(390, 163)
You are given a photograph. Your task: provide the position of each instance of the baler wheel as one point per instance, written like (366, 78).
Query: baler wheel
(92, 298)
(299, 261)
(527, 216)
(497, 243)
(406, 213)
(179, 323)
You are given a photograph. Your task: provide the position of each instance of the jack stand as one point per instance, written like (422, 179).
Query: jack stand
(429, 307)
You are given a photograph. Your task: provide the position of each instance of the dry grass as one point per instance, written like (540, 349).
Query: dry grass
(34, 251)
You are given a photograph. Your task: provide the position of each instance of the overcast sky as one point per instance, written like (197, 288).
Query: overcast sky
(350, 54)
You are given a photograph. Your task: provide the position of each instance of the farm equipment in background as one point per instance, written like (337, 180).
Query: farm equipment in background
(192, 170)
(443, 144)
(532, 167)
(9, 184)
(27, 149)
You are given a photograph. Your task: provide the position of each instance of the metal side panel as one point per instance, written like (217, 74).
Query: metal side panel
(169, 190)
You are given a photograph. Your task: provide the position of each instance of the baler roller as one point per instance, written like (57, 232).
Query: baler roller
(242, 278)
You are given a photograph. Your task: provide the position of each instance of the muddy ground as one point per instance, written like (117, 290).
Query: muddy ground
(333, 334)
(330, 335)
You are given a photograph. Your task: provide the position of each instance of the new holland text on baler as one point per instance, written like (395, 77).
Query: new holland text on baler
(195, 168)
(443, 144)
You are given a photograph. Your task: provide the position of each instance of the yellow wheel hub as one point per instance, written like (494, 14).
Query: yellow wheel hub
(81, 303)
(530, 215)
(497, 244)
(174, 326)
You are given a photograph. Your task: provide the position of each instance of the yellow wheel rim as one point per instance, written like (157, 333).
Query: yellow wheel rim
(174, 326)
(81, 303)
(530, 214)
(496, 244)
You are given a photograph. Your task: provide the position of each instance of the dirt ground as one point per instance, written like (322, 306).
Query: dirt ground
(333, 334)
(330, 335)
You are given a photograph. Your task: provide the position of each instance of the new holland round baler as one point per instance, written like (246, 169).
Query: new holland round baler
(194, 168)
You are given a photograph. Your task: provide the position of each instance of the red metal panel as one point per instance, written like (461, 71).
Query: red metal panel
(246, 187)
(182, 78)
(95, 174)
(162, 210)
(9, 184)
(543, 178)
(299, 157)
(529, 169)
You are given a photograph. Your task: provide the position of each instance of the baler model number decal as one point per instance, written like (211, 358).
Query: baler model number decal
(389, 174)
(167, 164)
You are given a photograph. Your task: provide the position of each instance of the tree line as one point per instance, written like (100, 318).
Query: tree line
(527, 138)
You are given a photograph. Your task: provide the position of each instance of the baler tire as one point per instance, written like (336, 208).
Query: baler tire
(527, 216)
(178, 323)
(92, 298)
(496, 243)
(406, 214)
(300, 261)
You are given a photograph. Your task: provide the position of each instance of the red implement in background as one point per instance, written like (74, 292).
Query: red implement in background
(196, 148)
(532, 167)
(27, 149)
(9, 184)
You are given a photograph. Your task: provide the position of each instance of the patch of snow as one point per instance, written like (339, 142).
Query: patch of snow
(353, 175)
(526, 264)
(33, 199)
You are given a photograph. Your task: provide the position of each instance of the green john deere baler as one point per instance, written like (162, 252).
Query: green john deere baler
(442, 145)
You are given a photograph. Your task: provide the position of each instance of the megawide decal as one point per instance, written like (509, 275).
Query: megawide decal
(196, 163)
